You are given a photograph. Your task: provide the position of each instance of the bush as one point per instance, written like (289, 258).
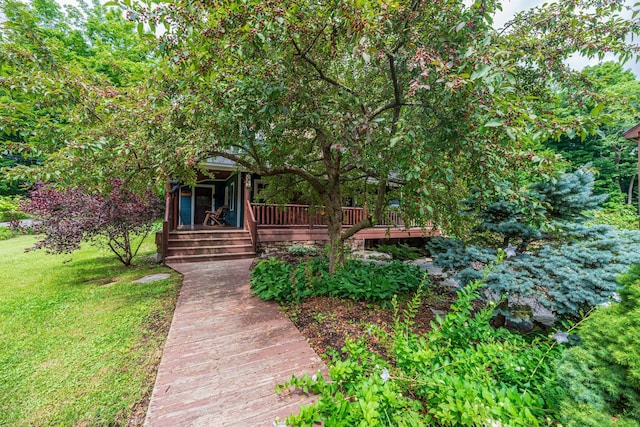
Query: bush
(463, 373)
(273, 279)
(620, 216)
(70, 216)
(566, 277)
(10, 209)
(402, 252)
(602, 375)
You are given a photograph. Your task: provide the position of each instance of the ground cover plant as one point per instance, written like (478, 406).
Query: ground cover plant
(79, 342)
(275, 279)
(436, 358)
(10, 209)
(461, 372)
(401, 252)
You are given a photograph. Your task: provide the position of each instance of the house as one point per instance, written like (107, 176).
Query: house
(634, 135)
(249, 225)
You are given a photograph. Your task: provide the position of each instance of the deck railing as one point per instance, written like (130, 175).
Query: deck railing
(252, 225)
(290, 215)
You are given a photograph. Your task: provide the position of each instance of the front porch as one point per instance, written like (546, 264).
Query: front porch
(269, 225)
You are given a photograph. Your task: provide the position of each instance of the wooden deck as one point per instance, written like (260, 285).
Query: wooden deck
(225, 353)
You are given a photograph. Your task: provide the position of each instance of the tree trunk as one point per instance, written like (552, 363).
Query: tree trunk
(333, 219)
(630, 191)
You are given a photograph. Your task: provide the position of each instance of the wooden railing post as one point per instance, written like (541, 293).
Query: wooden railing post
(251, 224)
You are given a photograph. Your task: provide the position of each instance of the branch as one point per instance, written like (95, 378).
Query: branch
(361, 225)
(321, 74)
(264, 171)
(392, 105)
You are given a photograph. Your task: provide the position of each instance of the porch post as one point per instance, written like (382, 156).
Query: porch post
(247, 199)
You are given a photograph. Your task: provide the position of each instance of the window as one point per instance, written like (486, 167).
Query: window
(231, 196)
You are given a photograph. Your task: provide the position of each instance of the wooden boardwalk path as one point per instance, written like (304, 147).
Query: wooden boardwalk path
(225, 353)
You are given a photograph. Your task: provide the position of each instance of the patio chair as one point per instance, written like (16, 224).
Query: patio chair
(216, 217)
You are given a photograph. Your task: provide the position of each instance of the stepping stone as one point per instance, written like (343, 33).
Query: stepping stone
(152, 278)
(433, 270)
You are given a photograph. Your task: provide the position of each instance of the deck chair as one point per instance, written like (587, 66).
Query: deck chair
(216, 217)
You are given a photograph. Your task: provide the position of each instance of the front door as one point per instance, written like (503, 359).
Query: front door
(203, 202)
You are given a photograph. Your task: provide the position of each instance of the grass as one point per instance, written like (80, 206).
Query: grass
(74, 351)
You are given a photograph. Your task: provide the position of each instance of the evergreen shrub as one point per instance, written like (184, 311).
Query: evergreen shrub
(401, 252)
(565, 277)
(571, 268)
(602, 374)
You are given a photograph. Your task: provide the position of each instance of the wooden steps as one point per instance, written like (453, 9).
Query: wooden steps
(209, 245)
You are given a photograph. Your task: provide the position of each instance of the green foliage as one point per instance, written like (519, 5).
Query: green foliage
(10, 208)
(461, 373)
(521, 215)
(611, 156)
(617, 215)
(68, 76)
(302, 250)
(7, 233)
(401, 252)
(274, 279)
(602, 375)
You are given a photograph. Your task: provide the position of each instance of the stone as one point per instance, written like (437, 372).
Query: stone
(438, 313)
(432, 270)
(450, 283)
(152, 278)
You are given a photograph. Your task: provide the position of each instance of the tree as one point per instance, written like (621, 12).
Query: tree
(521, 220)
(571, 268)
(338, 94)
(608, 152)
(71, 216)
(65, 74)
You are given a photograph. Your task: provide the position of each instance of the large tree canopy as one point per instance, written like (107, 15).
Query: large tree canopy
(352, 98)
(343, 94)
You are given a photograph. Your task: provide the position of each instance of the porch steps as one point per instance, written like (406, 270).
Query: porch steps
(208, 245)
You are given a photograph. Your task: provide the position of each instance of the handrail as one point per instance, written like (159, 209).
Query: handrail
(252, 225)
(302, 215)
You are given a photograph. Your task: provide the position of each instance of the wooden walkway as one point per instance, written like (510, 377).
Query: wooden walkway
(225, 353)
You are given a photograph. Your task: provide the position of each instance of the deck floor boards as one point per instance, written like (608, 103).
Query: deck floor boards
(225, 353)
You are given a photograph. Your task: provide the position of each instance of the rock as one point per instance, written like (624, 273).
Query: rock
(152, 278)
(450, 282)
(432, 270)
(522, 325)
(439, 313)
(372, 256)
(539, 313)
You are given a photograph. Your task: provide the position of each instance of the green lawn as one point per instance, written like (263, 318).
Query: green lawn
(72, 350)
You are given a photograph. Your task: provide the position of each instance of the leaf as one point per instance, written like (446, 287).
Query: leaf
(481, 72)
(597, 109)
(493, 123)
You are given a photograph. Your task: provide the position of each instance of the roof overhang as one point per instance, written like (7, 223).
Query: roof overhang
(632, 133)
